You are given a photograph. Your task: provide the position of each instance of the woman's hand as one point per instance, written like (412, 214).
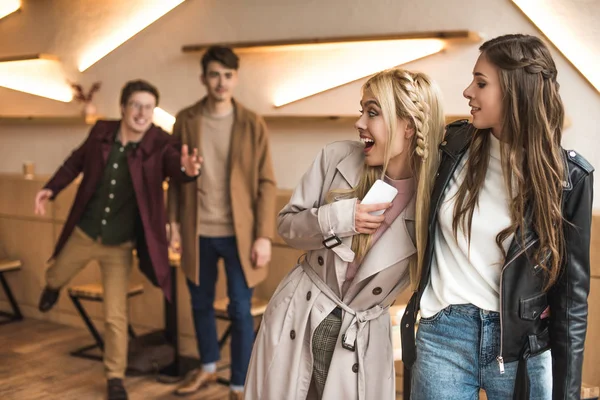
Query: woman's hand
(365, 222)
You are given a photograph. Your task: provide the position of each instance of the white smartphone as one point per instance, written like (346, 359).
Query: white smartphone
(380, 192)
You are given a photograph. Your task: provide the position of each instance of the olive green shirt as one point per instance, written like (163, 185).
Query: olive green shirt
(111, 213)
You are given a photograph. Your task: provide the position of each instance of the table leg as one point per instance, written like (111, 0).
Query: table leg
(172, 372)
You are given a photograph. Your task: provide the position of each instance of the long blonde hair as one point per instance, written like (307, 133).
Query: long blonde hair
(532, 163)
(414, 97)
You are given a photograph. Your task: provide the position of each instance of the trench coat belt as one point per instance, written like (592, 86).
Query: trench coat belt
(360, 317)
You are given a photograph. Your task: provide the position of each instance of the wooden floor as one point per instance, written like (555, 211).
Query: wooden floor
(35, 365)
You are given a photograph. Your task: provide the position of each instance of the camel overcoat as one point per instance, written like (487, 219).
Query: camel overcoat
(252, 189)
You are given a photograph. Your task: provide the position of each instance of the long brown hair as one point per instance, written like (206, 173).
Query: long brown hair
(414, 97)
(532, 162)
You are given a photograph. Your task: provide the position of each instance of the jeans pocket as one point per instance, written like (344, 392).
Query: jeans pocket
(434, 318)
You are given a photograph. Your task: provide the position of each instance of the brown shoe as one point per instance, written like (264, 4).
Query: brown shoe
(195, 381)
(233, 395)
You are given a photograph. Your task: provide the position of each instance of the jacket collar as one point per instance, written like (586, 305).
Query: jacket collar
(197, 110)
(351, 167)
(457, 140)
(192, 120)
(106, 131)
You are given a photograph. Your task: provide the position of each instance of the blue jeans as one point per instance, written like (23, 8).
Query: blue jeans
(456, 356)
(240, 295)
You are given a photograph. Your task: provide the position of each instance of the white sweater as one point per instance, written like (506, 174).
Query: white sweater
(457, 275)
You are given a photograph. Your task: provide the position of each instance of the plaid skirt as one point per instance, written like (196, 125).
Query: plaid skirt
(323, 346)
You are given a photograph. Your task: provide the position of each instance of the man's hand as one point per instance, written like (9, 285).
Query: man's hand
(41, 198)
(261, 252)
(174, 238)
(190, 163)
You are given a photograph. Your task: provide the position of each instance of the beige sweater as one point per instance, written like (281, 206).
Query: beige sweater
(214, 202)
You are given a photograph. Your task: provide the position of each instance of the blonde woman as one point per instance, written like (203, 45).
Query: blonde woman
(326, 332)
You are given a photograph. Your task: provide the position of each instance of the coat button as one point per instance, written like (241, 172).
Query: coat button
(377, 291)
(293, 334)
(320, 260)
(308, 295)
(572, 153)
(355, 368)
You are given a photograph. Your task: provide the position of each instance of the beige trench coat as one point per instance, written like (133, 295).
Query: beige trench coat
(251, 185)
(281, 363)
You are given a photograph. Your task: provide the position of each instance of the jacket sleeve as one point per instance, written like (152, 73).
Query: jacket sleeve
(267, 187)
(172, 161)
(70, 169)
(304, 223)
(174, 191)
(568, 297)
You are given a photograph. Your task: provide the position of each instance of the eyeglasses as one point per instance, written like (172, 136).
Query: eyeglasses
(139, 107)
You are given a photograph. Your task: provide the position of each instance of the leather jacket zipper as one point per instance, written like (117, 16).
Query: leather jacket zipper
(500, 357)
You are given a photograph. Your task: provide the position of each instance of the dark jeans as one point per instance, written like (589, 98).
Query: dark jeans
(203, 297)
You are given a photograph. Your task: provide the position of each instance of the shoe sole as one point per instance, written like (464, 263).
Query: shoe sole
(204, 386)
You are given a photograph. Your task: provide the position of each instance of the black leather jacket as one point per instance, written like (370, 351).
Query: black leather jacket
(522, 299)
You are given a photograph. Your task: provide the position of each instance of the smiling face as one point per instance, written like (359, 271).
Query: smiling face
(485, 96)
(373, 132)
(138, 112)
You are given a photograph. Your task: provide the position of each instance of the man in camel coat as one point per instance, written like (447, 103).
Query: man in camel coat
(229, 213)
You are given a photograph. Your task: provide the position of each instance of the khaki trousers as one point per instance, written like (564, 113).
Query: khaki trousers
(115, 265)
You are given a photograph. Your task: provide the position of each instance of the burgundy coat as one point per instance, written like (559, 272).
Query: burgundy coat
(158, 156)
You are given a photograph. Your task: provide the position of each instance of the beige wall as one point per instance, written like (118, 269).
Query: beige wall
(155, 54)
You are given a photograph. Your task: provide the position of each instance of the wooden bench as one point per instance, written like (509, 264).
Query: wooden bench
(589, 392)
(257, 309)
(6, 266)
(95, 292)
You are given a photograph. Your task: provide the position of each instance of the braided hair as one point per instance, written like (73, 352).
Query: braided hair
(415, 98)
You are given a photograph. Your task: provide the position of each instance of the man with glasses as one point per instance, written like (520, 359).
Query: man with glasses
(119, 206)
